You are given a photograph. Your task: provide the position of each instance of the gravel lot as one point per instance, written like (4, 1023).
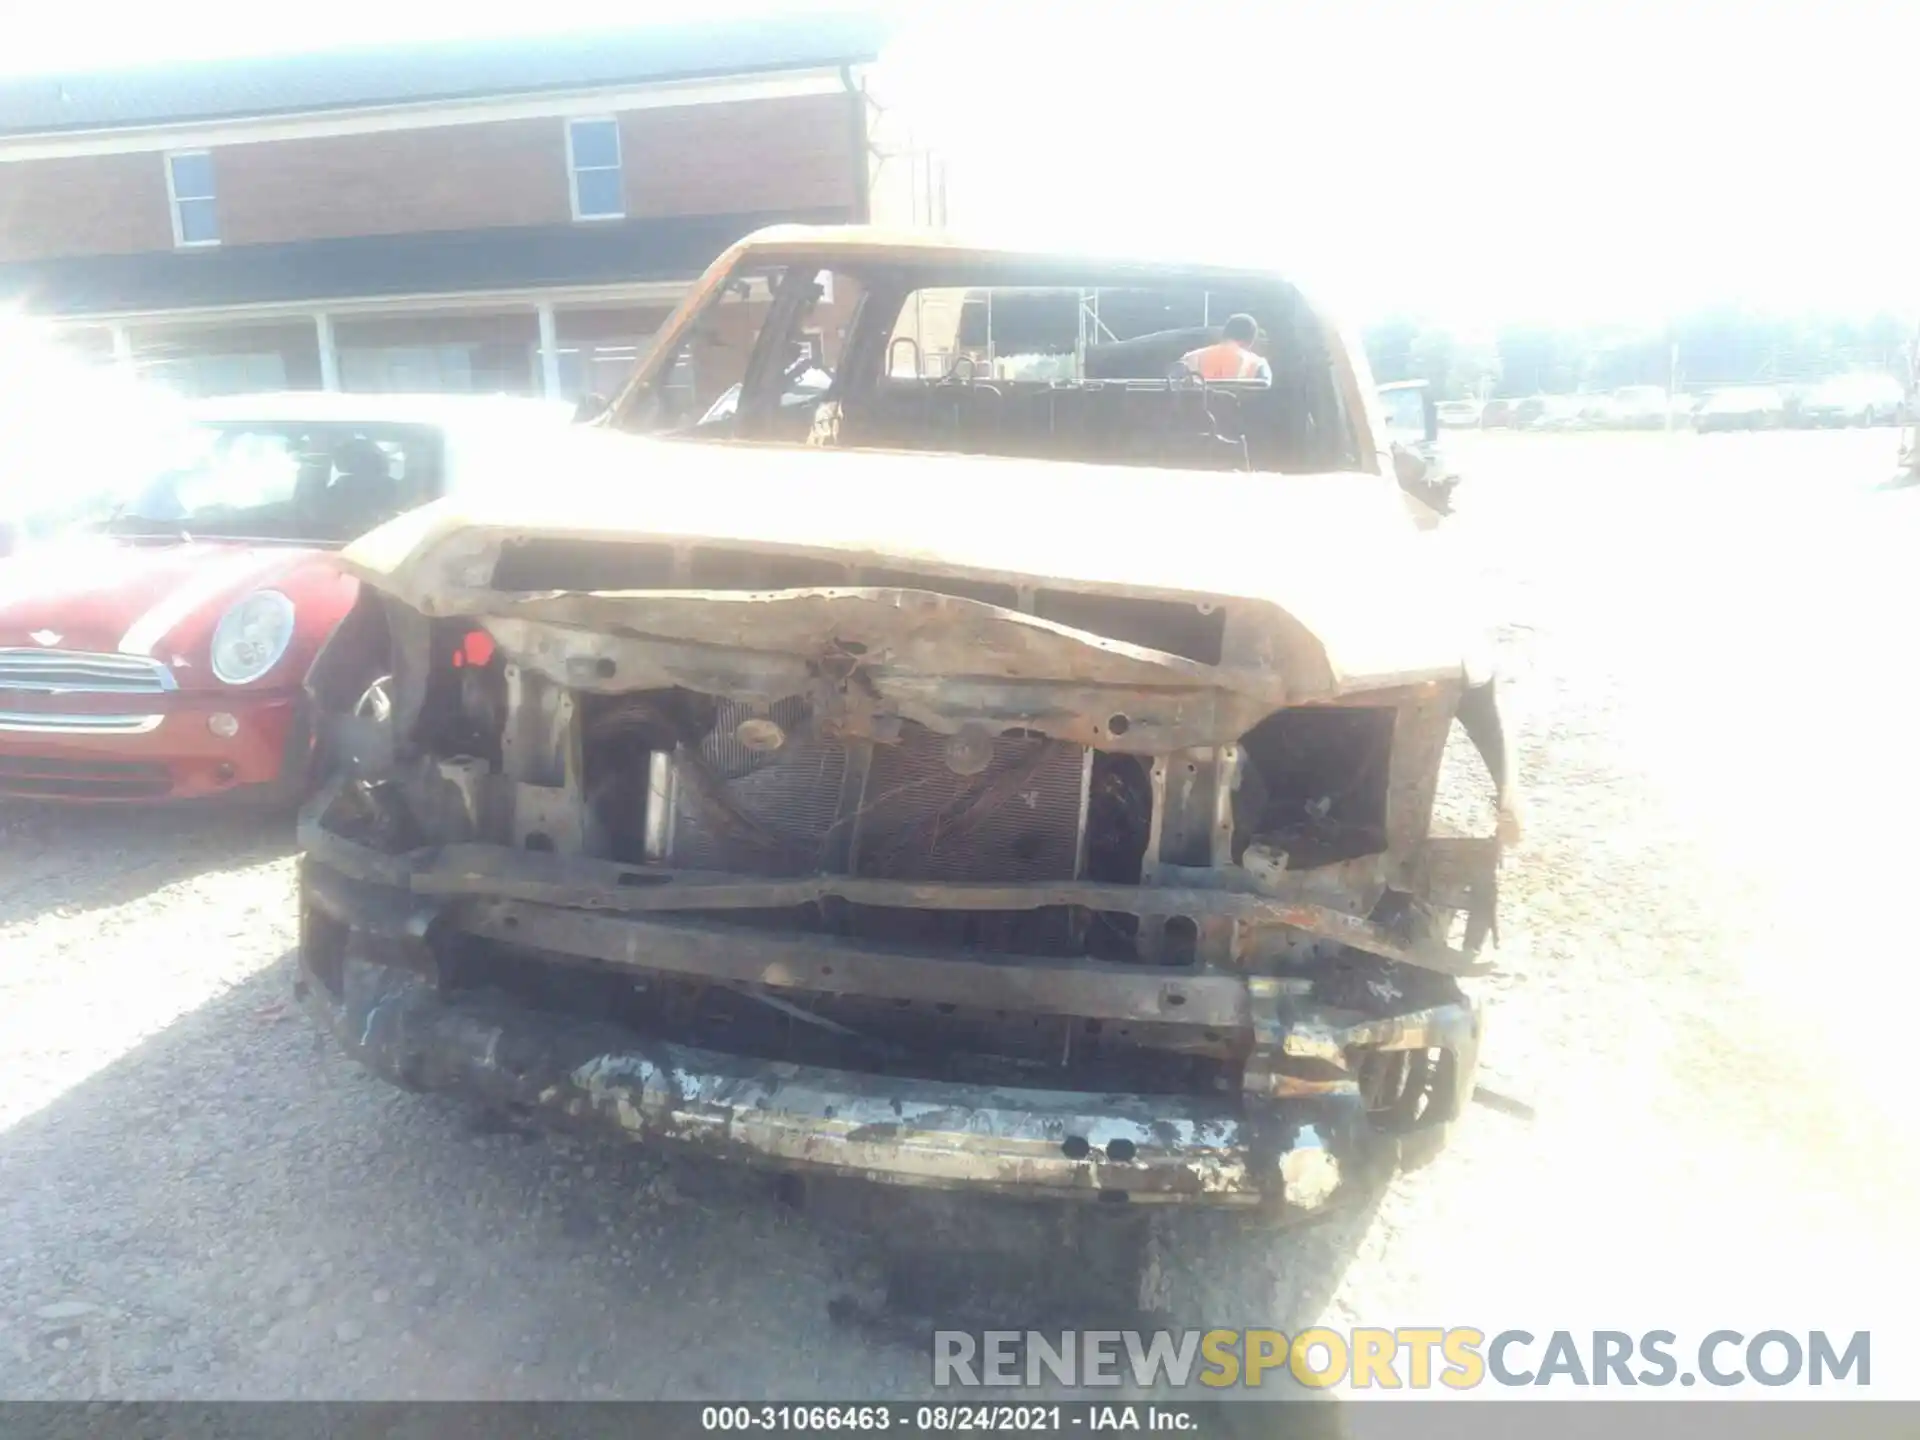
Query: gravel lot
(198, 1198)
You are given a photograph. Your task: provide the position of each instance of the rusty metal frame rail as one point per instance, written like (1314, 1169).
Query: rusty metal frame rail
(828, 964)
(495, 872)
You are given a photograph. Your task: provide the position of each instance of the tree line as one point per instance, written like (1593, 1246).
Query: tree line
(1716, 347)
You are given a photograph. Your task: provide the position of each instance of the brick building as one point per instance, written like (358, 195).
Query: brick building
(516, 216)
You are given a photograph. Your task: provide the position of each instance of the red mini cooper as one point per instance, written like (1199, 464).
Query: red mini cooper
(156, 648)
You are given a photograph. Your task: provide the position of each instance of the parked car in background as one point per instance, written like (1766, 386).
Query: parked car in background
(155, 647)
(1907, 469)
(1868, 399)
(1640, 407)
(1597, 412)
(1560, 412)
(63, 418)
(1499, 414)
(30, 523)
(1458, 414)
(14, 523)
(1527, 413)
(1741, 407)
(13, 509)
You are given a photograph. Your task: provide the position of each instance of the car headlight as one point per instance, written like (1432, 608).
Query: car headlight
(252, 636)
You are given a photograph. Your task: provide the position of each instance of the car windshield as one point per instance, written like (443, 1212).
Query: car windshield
(310, 483)
(997, 357)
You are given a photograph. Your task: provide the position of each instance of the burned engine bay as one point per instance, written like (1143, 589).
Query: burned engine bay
(910, 875)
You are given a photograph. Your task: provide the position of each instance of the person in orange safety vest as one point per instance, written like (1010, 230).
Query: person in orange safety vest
(1232, 357)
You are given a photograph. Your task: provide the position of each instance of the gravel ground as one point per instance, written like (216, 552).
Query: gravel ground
(198, 1198)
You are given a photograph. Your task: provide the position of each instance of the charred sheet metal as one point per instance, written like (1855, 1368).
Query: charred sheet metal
(368, 969)
(1288, 1158)
(917, 630)
(1404, 1077)
(934, 672)
(791, 1116)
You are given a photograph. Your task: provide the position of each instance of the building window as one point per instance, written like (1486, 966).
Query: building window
(241, 374)
(425, 369)
(451, 368)
(596, 369)
(593, 157)
(190, 189)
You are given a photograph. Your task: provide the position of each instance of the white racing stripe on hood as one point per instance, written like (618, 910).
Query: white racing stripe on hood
(201, 587)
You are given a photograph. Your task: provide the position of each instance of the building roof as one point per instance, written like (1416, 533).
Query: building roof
(361, 78)
(374, 266)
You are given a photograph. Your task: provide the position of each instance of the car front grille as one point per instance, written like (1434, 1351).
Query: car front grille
(82, 779)
(78, 672)
(36, 722)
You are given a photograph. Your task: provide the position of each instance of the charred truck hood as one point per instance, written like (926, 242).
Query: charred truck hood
(1350, 599)
(1045, 828)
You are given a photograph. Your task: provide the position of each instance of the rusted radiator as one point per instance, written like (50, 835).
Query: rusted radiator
(762, 795)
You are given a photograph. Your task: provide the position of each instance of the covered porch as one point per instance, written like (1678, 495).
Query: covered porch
(555, 343)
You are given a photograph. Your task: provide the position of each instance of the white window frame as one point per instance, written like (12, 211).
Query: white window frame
(180, 240)
(618, 167)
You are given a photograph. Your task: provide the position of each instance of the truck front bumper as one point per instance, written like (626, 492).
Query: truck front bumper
(366, 975)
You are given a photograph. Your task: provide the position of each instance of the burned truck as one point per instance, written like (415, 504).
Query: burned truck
(952, 778)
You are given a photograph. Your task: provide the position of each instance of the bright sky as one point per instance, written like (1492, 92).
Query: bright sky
(1476, 161)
